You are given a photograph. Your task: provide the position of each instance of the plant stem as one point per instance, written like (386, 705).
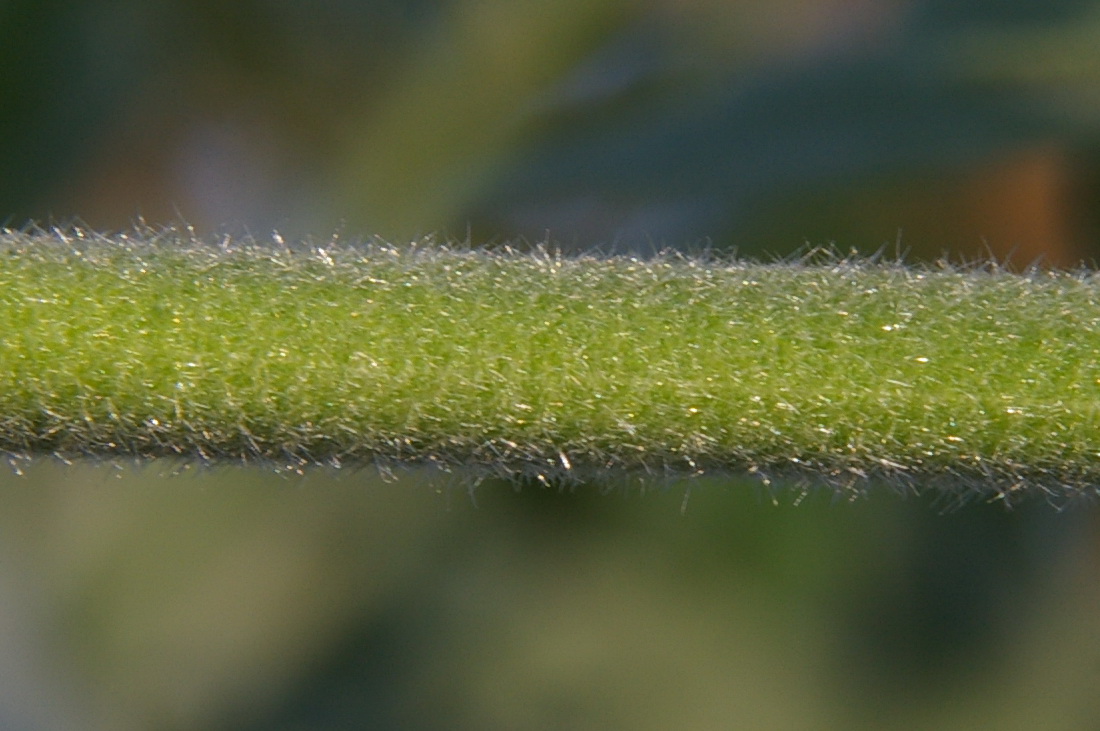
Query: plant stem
(973, 380)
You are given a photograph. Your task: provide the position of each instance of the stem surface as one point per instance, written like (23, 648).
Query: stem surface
(532, 363)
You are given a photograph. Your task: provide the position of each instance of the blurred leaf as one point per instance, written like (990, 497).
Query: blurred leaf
(460, 109)
(703, 159)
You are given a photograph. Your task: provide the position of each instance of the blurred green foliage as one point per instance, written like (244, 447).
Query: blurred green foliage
(594, 123)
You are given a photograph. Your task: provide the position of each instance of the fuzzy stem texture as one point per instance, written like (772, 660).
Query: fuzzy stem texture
(972, 380)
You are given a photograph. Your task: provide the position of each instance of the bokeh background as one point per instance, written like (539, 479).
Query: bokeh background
(173, 596)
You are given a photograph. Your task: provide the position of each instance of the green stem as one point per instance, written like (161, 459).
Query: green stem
(153, 344)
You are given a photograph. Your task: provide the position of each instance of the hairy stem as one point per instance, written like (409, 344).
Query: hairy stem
(973, 380)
